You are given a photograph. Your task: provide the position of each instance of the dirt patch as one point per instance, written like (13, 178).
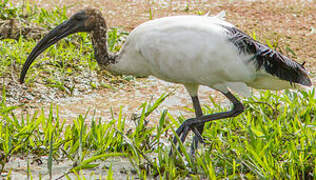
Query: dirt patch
(106, 103)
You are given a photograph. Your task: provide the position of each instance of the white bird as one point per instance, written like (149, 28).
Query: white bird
(191, 50)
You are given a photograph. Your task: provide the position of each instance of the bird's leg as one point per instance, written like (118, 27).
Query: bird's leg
(237, 109)
(185, 130)
(196, 122)
(199, 128)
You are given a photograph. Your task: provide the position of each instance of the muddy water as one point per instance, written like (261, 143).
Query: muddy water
(130, 97)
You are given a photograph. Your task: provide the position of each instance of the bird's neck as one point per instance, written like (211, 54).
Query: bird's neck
(99, 42)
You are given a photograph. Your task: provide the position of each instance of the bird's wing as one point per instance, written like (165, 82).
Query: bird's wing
(272, 61)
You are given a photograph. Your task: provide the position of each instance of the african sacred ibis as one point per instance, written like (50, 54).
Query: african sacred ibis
(191, 50)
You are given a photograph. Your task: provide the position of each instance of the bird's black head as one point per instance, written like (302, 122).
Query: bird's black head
(84, 21)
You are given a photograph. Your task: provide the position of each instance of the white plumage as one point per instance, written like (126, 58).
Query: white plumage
(191, 50)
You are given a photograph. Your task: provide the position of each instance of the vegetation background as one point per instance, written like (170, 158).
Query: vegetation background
(61, 122)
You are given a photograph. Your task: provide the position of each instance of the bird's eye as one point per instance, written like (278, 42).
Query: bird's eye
(78, 18)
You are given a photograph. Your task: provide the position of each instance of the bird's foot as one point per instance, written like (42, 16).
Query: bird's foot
(195, 143)
(183, 131)
(198, 136)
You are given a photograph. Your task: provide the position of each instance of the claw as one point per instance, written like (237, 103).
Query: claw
(185, 133)
(198, 135)
(183, 136)
(194, 146)
(179, 132)
(182, 132)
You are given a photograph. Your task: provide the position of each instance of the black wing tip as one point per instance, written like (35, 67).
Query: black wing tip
(273, 61)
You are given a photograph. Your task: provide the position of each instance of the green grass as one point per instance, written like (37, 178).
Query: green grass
(273, 139)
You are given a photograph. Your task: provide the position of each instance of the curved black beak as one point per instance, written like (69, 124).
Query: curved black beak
(66, 28)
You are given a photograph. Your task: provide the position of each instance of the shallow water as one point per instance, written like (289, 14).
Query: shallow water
(130, 97)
